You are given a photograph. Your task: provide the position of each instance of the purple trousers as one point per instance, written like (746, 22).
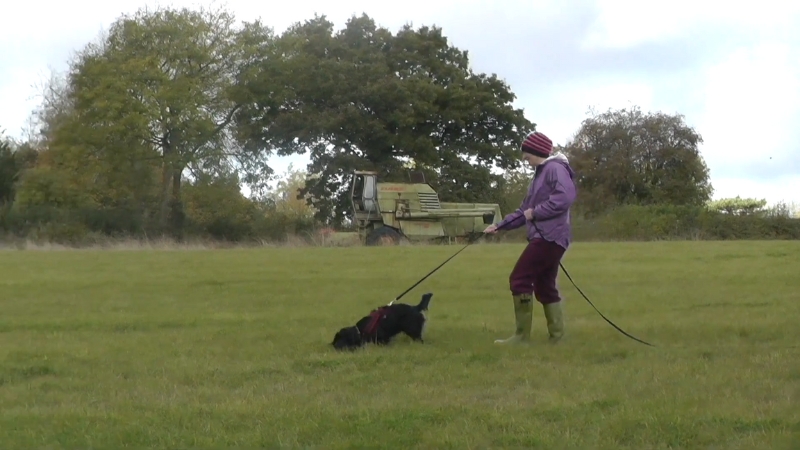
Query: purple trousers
(536, 271)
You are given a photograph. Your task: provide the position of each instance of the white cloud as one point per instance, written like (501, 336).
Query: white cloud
(16, 99)
(751, 107)
(626, 23)
(559, 116)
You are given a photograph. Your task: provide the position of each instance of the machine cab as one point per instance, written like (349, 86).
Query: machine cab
(364, 192)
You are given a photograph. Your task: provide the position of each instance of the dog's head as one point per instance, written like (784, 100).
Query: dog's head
(348, 338)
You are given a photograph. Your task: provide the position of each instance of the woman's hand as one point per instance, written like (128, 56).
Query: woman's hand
(529, 214)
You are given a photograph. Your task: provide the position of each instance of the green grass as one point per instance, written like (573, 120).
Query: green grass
(193, 348)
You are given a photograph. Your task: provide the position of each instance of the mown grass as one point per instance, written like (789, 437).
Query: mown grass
(195, 348)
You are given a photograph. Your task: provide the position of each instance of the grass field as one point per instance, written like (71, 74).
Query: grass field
(194, 348)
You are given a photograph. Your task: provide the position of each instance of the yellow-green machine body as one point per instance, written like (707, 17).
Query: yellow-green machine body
(387, 213)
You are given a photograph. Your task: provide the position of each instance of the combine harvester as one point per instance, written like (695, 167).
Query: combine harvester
(391, 213)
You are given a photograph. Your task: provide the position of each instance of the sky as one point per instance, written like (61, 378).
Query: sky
(732, 71)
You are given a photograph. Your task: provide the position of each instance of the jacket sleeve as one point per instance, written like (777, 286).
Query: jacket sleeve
(512, 221)
(561, 197)
(516, 218)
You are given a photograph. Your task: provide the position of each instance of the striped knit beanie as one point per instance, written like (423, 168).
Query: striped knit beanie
(537, 144)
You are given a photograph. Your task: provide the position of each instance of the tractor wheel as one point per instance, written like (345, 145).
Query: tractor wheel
(383, 236)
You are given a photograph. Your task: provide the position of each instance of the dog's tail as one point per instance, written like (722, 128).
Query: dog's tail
(423, 304)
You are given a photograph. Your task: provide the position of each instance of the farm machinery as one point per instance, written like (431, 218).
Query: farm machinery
(387, 213)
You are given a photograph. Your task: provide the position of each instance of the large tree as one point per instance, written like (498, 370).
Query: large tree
(627, 156)
(8, 171)
(15, 158)
(365, 98)
(157, 96)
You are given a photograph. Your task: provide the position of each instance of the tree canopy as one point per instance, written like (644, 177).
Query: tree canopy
(365, 98)
(739, 206)
(628, 157)
(14, 160)
(155, 97)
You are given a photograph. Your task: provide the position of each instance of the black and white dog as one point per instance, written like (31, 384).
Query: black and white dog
(383, 324)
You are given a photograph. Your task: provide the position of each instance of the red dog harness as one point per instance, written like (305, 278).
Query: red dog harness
(376, 317)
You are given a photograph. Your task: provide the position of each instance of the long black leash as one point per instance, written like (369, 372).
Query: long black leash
(590, 302)
(472, 241)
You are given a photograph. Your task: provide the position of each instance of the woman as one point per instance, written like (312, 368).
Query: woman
(550, 195)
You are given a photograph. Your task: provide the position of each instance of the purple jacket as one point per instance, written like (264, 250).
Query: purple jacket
(550, 194)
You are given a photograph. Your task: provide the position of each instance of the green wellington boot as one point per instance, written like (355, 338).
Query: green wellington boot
(555, 321)
(523, 312)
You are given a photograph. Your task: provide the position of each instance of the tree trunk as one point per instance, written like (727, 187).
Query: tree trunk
(177, 214)
(166, 178)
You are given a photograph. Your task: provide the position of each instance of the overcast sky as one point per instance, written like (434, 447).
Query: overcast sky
(733, 71)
